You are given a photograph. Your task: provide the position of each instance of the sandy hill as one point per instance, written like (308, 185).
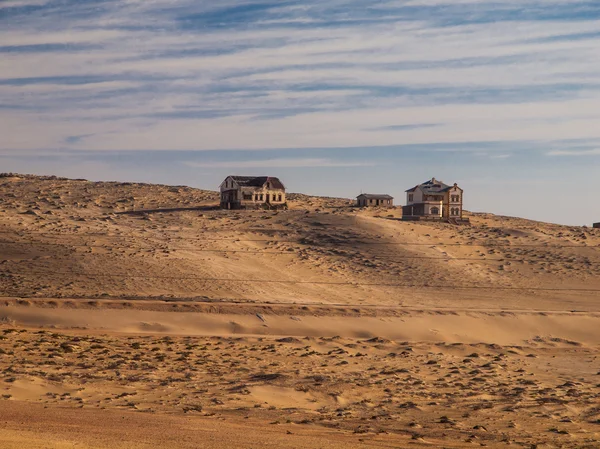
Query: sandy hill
(74, 238)
(142, 316)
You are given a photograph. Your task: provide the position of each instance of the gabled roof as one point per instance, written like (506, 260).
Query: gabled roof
(431, 187)
(258, 181)
(374, 196)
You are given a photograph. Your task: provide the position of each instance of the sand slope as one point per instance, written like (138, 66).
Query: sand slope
(61, 238)
(137, 315)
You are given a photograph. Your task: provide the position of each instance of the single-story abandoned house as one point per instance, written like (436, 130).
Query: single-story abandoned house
(597, 225)
(252, 192)
(369, 199)
(435, 200)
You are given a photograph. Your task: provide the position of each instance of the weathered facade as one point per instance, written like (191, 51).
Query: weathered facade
(434, 200)
(369, 200)
(252, 192)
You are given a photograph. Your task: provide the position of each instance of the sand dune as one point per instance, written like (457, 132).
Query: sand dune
(418, 325)
(138, 315)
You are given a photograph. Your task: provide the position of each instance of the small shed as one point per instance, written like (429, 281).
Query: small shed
(370, 199)
(597, 225)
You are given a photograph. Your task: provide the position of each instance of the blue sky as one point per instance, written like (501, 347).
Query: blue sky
(335, 97)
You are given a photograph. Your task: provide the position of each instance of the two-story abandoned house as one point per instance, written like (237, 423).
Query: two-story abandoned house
(433, 199)
(370, 199)
(252, 192)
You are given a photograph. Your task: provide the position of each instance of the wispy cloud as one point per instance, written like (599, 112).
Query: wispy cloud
(594, 152)
(21, 3)
(281, 163)
(202, 75)
(405, 127)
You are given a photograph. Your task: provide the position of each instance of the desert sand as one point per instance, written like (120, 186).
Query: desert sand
(136, 315)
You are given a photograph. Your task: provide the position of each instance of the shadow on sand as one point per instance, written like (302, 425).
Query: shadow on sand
(166, 210)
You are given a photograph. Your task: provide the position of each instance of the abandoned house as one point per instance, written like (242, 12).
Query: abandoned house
(252, 192)
(369, 199)
(434, 200)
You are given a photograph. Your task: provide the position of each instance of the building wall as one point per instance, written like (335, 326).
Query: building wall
(597, 225)
(449, 202)
(424, 209)
(253, 197)
(233, 196)
(453, 200)
(257, 196)
(453, 203)
(413, 210)
(434, 208)
(417, 197)
(364, 202)
(228, 184)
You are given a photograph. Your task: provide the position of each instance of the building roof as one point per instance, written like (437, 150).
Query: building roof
(258, 181)
(374, 196)
(431, 187)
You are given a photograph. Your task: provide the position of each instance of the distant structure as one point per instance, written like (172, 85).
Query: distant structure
(369, 199)
(434, 200)
(597, 225)
(252, 192)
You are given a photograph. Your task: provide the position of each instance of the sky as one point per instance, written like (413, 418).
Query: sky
(335, 97)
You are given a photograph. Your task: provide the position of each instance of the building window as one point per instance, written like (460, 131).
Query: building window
(279, 198)
(410, 197)
(435, 211)
(261, 197)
